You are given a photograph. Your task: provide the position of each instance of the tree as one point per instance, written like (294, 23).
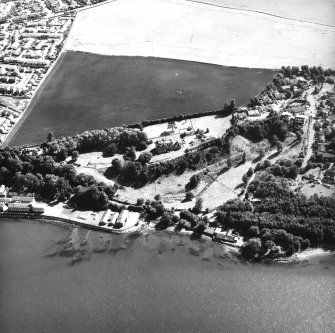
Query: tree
(251, 248)
(298, 135)
(261, 153)
(116, 165)
(50, 137)
(245, 178)
(279, 146)
(145, 157)
(140, 202)
(130, 154)
(250, 172)
(198, 205)
(194, 181)
(110, 150)
(75, 155)
(158, 197)
(253, 231)
(189, 196)
(305, 244)
(199, 228)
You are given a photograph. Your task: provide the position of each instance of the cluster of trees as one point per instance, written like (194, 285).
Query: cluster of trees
(282, 168)
(27, 171)
(138, 173)
(289, 220)
(109, 141)
(273, 128)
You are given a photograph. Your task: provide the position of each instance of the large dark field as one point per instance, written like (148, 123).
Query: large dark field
(91, 91)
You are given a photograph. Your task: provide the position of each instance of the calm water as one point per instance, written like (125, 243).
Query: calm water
(154, 283)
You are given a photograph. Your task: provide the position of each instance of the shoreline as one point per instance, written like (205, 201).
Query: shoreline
(308, 256)
(57, 220)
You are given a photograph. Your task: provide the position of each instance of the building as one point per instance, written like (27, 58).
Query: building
(17, 207)
(3, 191)
(121, 219)
(218, 237)
(106, 217)
(299, 120)
(328, 157)
(23, 198)
(253, 113)
(38, 208)
(297, 109)
(3, 207)
(166, 146)
(114, 218)
(5, 200)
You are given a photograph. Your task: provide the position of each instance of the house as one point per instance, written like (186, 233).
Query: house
(5, 200)
(279, 96)
(286, 88)
(297, 109)
(322, 147)
(300, 120)
(224, 238)
(164, 146)
(328, 157)
(23, 198)
(17, 207)
(253, 113)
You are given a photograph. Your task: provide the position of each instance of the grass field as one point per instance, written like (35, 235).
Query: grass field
(242, 33)
(90, 91)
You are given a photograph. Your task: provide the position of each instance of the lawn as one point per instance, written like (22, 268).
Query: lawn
(90, 91)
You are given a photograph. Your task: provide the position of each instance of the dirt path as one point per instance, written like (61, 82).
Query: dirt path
(310, 131)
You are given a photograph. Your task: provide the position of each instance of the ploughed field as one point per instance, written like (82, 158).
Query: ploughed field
(90, 91)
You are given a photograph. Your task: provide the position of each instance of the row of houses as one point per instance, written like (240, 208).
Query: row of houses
(22, 207)
(19, 203)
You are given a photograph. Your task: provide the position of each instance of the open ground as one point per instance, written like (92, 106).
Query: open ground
(90, 91)
(195, 31)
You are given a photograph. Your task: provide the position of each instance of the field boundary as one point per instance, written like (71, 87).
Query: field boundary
(260, 12)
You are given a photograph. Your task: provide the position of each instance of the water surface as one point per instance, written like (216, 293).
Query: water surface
(153, 283)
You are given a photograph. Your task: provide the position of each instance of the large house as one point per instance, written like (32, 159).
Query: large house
(165, 146)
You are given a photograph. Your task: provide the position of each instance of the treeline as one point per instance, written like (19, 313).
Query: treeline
(27, 171)
(137, 174)
(273, 128)
(227, 110)
(282, 168)
(316, 73)
(116, 140)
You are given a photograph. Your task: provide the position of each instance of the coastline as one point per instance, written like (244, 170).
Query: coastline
(70, 223)
(308, 256)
